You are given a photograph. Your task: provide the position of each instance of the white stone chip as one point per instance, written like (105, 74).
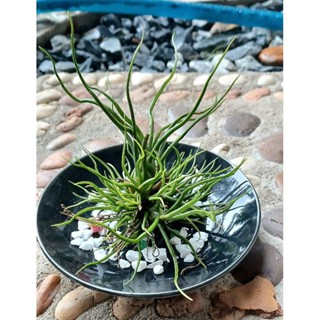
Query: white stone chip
(114, 257)
(86, 234)
(197, 244)
(175, 241)
(149, 254)
(142, 265)
(189, 258)
(82, 225)
(183, 250)
(86, 245)
(161, 254)
(132, 255)
(100, 254)
(158, 269)
(124, 264)
(76, 234)
(76, 242)
(97, 242)
(200, 236)
(183, 232)
(156, 263)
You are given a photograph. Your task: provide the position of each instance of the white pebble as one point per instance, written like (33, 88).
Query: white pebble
(266, 79)
(189, 258)
(175, 241)
(200, 235)
(104, 213)
(197, 244)
(156, 263)
(227, 79)
(86, 245)
(148, 254)
(132, 255)
(249, 164)
(100, 254)
(124, 264)
(76, 242)
(76, 234)
(183, 250)
(184, 232)
(114, 257)
(221, 148)
(158, 269)
(86, 234)
(97, 242)
(95, 213)
(82, 225)
(142, 265)
(161, 254)
(139, 78)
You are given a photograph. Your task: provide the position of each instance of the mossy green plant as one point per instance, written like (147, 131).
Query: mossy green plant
(148, 196)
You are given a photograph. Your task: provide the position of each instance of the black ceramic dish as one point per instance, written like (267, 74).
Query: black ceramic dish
(230, 238)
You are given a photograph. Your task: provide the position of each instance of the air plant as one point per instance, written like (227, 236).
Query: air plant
(149, 195)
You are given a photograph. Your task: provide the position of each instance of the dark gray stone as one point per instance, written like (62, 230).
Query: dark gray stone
(263, 260)
(200, 66)
(188, 53)
(272, 222)
(249, 63)
(59, 43)
(241, 124)
(249, 48)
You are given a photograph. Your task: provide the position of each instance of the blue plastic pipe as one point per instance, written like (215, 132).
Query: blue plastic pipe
(173, 9)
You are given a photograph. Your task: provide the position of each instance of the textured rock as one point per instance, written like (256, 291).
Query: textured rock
(79, 111)
(111, 79)
(48, 95)
(45, 176)
(278, 95)
(271, 148)
(124, 308)
(70, 124)
(137, 78)
(89, 78)
(249, 164)
(177, 79)
(262, 260)
(53, 81)
(272, 222)
(141, 93)
(227, 79)
(266, 80)
(257, 295)
(42, 128)
(208, 95)
(46, 291)
(256, 94)
(233, 94)
(98, 144)
(79, 93)
(180, 306)
(241, 124)
(173, 96)
(56, 160)
(200, 80)
(272, 56)
(279, 181)
(75, 302)
(45, 110)
(219, 27)
(61, 141)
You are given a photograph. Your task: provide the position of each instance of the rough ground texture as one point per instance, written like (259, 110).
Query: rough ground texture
(250, 127)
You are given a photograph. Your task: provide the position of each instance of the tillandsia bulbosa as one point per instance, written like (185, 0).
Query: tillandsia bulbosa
(148, 196)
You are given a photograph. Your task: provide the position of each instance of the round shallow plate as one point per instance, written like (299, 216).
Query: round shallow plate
(230, 237)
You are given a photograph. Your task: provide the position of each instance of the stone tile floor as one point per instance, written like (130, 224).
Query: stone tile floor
(249, 124)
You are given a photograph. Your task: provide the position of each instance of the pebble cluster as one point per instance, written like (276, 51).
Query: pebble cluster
(107, 42)
(248, 124)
